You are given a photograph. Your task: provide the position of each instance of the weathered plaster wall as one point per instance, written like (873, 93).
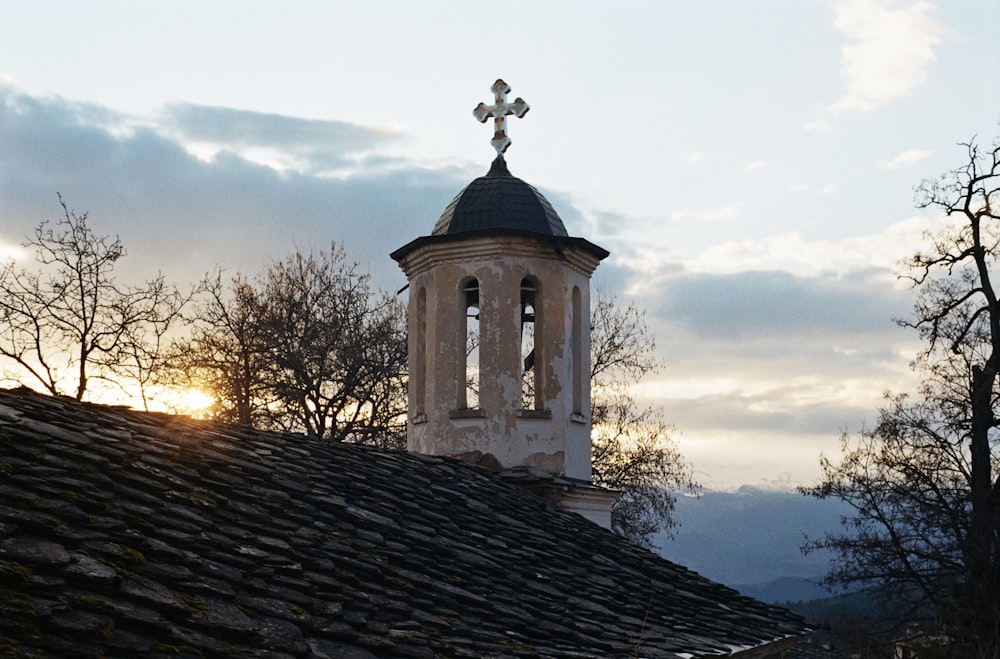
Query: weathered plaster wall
(556, 439)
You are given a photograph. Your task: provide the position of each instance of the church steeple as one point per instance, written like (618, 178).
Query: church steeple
(499, 332)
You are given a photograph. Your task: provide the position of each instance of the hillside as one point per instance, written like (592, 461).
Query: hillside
(785, 589)
(750, 539)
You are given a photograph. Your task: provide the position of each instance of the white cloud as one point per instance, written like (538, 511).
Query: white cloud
(754, 166)
(698, 156)
(763, 394)
(725, 212)
(789, 456)
(905, 159)
(789, 252)
(825, 190)
(284, 144)
(688, 388)
(818, 125)
(889, 48)
(137, 181)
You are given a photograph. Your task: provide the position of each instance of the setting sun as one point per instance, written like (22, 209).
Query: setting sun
(193, 402)
(196, 400)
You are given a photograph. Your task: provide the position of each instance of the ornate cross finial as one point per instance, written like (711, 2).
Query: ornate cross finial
(499, 111)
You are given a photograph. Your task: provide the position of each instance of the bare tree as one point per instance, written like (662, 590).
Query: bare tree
(379, 415)
(622, 349)
(922, 482)
(328, 337)
(70, 321)
(308, 346)
(632, 448)
(225, 354)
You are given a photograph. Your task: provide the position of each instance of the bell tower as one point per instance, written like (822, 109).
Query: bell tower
(499, 323)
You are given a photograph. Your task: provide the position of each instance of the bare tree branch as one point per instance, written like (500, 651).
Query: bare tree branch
(71, 321)
(308, 346)
(632, 447)
(926, 523)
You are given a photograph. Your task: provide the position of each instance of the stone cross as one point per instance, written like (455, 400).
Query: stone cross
(499, 111)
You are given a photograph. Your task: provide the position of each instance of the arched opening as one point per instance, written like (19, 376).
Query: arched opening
(576, 349)
(531, 357)
(420, 356)
(468, 358)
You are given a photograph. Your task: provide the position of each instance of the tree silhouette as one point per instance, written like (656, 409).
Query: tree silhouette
(922, 482)
(308, 346)
(633, 451)
(69, 321)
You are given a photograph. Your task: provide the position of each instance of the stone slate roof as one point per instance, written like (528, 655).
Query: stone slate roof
(500, 201)
(126, 533)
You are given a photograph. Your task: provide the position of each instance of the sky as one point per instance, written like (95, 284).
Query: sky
(749, 165)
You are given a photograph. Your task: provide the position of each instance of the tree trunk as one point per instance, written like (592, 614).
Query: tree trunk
(982, 571)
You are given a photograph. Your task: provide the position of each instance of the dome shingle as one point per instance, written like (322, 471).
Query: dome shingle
(499, 201)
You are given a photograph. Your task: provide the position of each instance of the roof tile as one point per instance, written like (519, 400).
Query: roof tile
(129, 533)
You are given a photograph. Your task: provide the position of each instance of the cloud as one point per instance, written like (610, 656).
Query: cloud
(776, 340)
(757, 359)
(803, 403)
(905, 159)
(818, 125)
(699, 156)
(889, 47)
(799, 408)
(825, 190)
(281, 142)
(728, 211)
(786, 252)
(777, 304)
(184, 215)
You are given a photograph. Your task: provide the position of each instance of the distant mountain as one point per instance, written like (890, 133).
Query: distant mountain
(860, 605)
(784, 590)
(751, 539)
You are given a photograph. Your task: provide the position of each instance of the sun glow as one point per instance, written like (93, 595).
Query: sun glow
(186, 401)
(9, 251)
(191, 401)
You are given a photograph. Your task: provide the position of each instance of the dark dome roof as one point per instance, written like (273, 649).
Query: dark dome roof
(499, 201)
